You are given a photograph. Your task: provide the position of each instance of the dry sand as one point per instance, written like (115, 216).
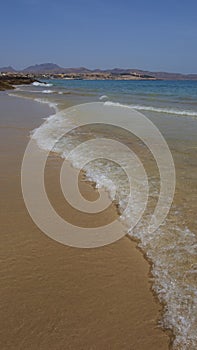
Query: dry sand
(57, 297)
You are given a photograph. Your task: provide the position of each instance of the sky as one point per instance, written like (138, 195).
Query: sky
(157, 35)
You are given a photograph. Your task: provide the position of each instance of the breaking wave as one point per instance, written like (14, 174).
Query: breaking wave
(36, 83)
(158, 110)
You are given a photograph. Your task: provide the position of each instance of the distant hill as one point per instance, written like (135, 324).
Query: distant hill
(51, 68)
(43, 68)
(168, 76)
(7, 69)
(157, 75)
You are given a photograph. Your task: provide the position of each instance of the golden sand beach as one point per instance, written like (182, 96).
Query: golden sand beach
(56, 297)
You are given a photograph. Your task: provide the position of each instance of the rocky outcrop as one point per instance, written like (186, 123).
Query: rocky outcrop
(8, 81)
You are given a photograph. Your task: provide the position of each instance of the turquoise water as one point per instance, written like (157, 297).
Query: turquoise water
(166, 95)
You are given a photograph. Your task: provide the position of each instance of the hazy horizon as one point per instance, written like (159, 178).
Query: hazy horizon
(94, 68)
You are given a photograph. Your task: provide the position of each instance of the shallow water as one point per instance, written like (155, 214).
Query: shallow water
(172, 106)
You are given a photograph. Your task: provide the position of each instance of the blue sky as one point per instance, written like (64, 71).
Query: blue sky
(147, 34)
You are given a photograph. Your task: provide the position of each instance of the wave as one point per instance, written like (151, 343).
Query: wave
(156, 109)
(49, 103)
(103, 98)
(48, 91)
(36, 83)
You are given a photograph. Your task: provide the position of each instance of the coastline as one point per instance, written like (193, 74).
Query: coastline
(113, 267)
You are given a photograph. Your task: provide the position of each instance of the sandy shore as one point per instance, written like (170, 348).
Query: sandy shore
(57, 297)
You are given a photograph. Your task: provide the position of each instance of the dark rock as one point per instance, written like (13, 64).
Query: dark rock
(7, 81)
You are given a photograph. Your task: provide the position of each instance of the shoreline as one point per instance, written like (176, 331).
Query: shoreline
(144, 263)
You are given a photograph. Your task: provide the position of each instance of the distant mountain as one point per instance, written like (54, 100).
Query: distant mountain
(51, 68)
(43, 68)
(169, 76)
(7, 69)
(157, 75)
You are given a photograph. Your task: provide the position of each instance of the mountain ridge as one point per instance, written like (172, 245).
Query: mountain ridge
(7, 69)
(52, 68)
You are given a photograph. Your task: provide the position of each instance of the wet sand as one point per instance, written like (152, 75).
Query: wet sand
(57, 297)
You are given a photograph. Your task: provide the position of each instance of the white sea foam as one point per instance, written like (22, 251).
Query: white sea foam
(103, 98)
(36, 83)
(157, 110)
(47, 91)
(171, 249)
(51, 104)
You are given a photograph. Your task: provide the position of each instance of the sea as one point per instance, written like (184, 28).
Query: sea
(172, 107)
